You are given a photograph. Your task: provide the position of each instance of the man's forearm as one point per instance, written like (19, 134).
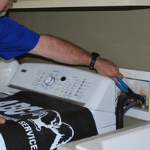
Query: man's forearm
(61, 51)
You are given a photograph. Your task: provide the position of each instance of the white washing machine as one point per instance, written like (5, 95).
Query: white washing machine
(84, 88)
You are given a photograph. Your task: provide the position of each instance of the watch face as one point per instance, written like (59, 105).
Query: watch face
(94, 57)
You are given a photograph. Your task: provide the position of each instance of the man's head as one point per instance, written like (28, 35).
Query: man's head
(4, 6)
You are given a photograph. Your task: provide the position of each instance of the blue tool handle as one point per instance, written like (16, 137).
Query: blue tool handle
(121, 88)
(122, 83)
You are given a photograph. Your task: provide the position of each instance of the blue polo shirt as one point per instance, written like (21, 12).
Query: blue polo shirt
(15, 39)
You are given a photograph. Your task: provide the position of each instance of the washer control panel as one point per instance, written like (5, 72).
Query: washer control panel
(60, 81)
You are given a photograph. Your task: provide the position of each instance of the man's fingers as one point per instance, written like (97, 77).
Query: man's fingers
(113, 78)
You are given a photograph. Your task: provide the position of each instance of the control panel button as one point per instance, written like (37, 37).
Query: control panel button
(63, 78)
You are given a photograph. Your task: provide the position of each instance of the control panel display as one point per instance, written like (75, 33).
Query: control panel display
(58, 81)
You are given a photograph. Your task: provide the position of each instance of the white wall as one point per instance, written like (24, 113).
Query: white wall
(120, 36)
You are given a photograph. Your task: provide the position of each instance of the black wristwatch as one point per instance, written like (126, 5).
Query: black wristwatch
(94, 57)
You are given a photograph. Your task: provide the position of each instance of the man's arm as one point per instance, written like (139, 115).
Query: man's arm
(61, 51)
(65, 52)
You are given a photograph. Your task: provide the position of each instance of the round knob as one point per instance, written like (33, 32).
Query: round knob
(49, 80)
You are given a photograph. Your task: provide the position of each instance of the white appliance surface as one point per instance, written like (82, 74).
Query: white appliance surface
(131, 139)
(2, 143)
(7, 71)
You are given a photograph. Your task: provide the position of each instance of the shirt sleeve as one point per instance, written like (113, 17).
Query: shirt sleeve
(15, 39)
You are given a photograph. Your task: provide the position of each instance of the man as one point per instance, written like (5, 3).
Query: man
(16, 40)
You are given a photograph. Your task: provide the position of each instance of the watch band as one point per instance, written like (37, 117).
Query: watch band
(94, 57)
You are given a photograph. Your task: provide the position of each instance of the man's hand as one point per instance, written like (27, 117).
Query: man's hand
(108, 69)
